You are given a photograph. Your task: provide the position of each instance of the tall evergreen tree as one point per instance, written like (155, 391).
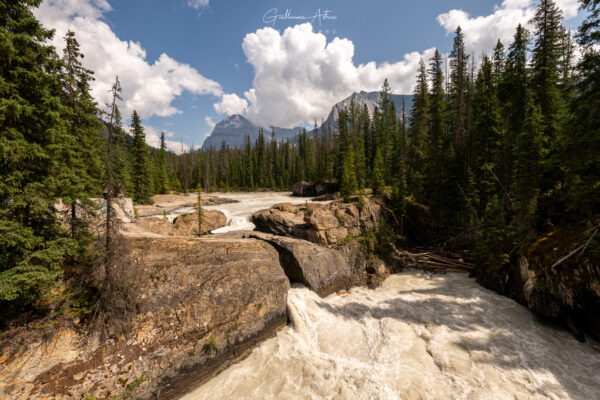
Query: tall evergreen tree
(418, 139)
(163, 174)
(115, 94)
(528, 161)
(82, 176)
(33, 138)
(141, 176)
(459, 79)
(348, 184)
(436, 131)
(545, 66)
(581, 151)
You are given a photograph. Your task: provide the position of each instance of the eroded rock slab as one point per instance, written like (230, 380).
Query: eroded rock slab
(187, 224)
(320, 269)
(202, 304)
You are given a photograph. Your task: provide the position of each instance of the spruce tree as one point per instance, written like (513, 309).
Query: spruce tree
(418, 139)
(512, 92)
(82, 176)
(528, 162)
(348, 184)
(199, 209)
(115, 94)
(488, 133)
(377, 176)
(545, 66)
(436, 132)
(140, 175)
(581, 152)
(120, 158)
(459, 79)
(163, 174)
(34, 135)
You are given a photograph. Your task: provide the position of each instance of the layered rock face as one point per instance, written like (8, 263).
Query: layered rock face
(322, 224)
(321, 269)
(568, 292)
(317, 243)
(182, 225)
(202, 304)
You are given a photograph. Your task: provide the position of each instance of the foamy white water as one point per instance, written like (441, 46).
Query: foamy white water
(238, 214)
(442, 337)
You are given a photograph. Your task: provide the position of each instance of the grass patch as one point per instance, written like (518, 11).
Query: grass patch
(130, 389)
(211, 345)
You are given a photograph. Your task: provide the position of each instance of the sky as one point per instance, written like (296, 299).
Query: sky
(184, 65)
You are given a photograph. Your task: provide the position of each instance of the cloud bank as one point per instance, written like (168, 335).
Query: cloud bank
(148, 87)
(298, 76)
(482, 32)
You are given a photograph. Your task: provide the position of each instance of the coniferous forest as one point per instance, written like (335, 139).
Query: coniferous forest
(501, 145)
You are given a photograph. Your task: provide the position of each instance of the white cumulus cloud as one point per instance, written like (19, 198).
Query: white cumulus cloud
(198, 4)
(211, 124)
(147, 87)
(231, 104)
(298, 75)
(153, 139)
(482, 32)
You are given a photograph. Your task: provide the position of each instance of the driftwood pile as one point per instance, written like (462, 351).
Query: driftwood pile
(438, 261)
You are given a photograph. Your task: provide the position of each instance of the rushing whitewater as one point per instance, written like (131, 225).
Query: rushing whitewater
(238, 214)
(415, 337)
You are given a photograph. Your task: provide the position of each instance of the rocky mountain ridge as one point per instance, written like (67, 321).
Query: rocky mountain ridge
(234, 129)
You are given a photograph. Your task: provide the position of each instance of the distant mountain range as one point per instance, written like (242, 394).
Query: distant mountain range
(234, 129)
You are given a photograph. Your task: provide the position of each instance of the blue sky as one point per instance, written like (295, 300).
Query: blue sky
(212, 48)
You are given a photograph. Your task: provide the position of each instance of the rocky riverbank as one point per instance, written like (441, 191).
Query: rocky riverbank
(567, 292)
(201, 303)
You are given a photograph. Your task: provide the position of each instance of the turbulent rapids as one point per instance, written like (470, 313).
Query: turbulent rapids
(415, 337)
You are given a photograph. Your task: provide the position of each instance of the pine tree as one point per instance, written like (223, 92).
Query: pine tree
(545, 62)
(377, 177)
(491, 250)
(436, 132)
(528, 162)
(199, 209)
(418, 139)
(163, 174)
(141, 178)
(82, 176)
(488, 133)
(348, 184)
(512, 92)
(120, 158)
(581, 152)
(459, 78)
(115, 94)
(34, 136)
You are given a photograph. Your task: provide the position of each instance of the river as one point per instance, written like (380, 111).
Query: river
(417, 336)
(238, 214)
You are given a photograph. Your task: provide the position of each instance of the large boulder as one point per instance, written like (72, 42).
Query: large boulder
(202, 304)
(320, 269)
(283, 219)
(325, 224)
(321, 219)
(187, 224)
(310, 189)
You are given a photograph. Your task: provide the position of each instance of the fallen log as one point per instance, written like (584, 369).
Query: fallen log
(457, 263)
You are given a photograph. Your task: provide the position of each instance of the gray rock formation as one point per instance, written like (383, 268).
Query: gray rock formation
(202, 303)
(320, 269)
(234, 129)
